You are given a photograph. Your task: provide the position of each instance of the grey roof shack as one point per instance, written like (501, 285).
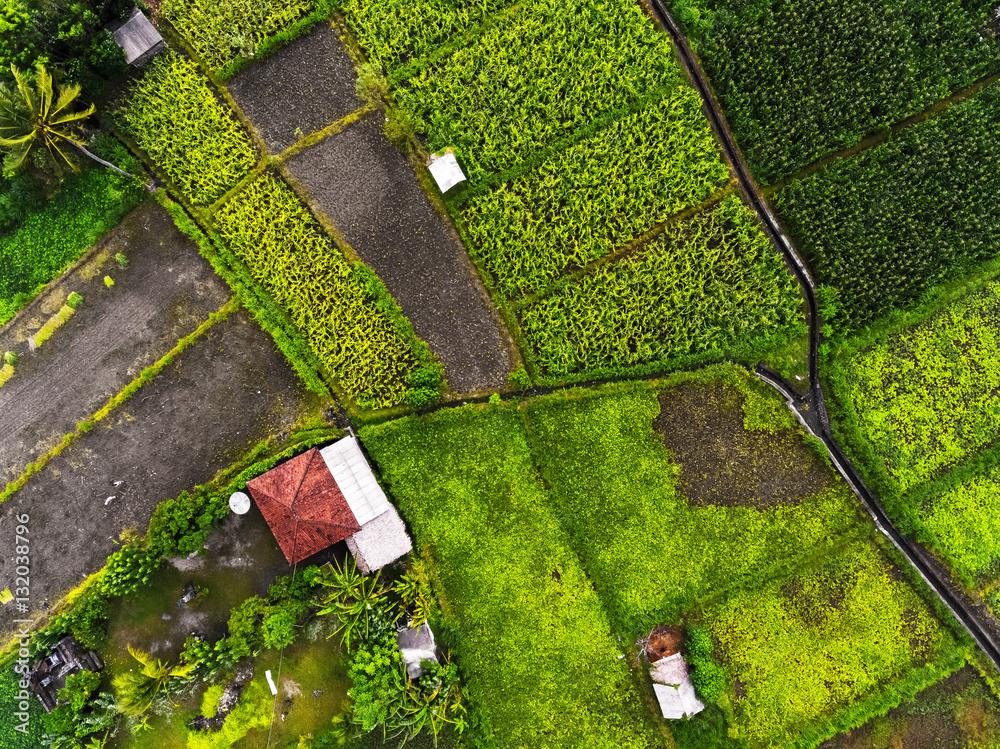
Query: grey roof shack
(138, 37)
(48, 676)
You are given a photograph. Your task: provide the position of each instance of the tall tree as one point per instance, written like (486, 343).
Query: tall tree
(136, 690)
(33, 116)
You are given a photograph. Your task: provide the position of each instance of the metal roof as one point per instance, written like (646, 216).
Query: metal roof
(355, 479)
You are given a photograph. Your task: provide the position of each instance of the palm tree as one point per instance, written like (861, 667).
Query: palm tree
(31, 116)
(136, 690)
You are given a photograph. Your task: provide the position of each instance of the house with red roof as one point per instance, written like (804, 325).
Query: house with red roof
(325, 496)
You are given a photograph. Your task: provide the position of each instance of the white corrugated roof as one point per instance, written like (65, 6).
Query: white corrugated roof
(677, 702)
(380, 542)
(355, 478)
(446, 171)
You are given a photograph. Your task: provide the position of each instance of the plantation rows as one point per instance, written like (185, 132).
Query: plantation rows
(396, 32)
(219, 32)
(703, 285)
(887, 224)
(583, 482)
(288, 254)
(548, 70)
(341, 311)
(593, 198)
(801, 78)
(176, 118)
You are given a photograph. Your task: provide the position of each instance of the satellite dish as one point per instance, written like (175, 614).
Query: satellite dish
(239, 503)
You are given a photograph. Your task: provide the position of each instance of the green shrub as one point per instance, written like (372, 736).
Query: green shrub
(179, 527)
(122, 259)
(10, 358)
(209, 659)
(708, 677)
(279, 628)
(79, 688)
(420, 398)
(519, 379)
(74, 300)
(173, 114)
(210, 700)
(128, 569)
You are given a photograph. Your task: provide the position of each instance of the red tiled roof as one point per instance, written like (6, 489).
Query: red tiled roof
(303, 505)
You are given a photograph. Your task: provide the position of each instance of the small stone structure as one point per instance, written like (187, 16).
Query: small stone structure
(669, 672)
(48, 676)
(445, 170)
(138, 38)
(416, 644)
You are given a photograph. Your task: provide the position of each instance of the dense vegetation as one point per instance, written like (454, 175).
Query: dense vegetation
(640, 539)
(926, 399)
(885, 225)
(174, 116)
(801, 78)
(68, 37)
(221, 32)
(549, 70)
(401, 31)
(514, 503)
(533, 639)
(39, 239)
(593, 198)
(705, 284)
(965, 523)
(835, 635)
(340, 310)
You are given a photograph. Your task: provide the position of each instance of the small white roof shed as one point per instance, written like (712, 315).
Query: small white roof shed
(380, 542)
(138, 38)
(445, 170)
(673, 688)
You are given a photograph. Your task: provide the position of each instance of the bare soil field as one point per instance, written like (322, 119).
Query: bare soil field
(299, 89)
(368, 190)
(167, 290)
(226, 392)
(724, 464)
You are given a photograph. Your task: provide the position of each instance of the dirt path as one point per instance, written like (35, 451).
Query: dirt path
(222, 395)
(166, 292)
(368, 190)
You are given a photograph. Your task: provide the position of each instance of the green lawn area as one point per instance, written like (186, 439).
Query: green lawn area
(556, 519)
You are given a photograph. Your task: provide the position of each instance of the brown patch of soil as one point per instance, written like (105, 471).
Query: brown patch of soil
(663, 642)
(225, 393)
(724, 464)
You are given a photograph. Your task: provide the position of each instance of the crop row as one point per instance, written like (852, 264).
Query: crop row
(174, 115)
(884, 226)
(549, 70)
(705, 284)
(596, 196)
(965, 525)
(801, 78)
(222, 31)
(394, 32)
(333, 304)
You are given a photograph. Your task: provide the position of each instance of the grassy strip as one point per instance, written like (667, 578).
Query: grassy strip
(6, 372)
(52, 325)
(261, 307)
(116, 400)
